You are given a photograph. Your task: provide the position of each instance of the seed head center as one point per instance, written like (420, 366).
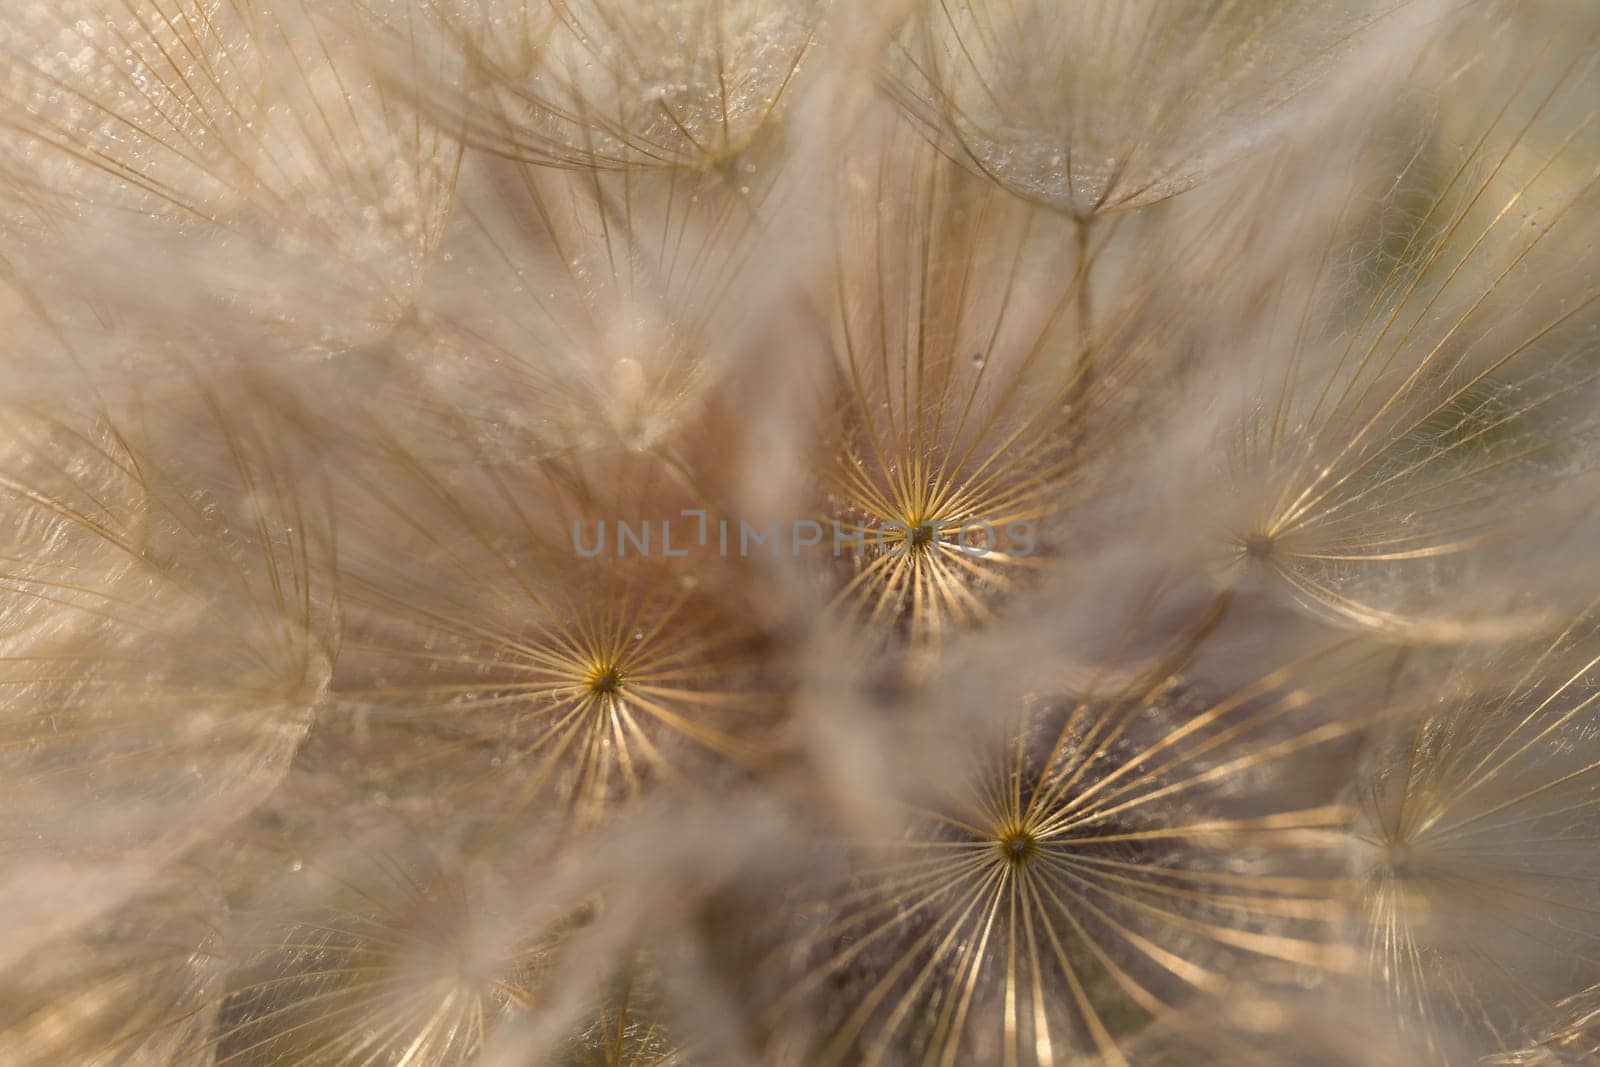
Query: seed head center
(1400, 855)
(1017, 847)
(605, 681)
(1258, 546)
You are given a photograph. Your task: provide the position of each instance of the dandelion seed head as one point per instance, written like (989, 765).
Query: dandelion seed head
(690, 84)
(1131, 486)
(594, 681)
(179, 659)
(400, 956)
(1461, 813)
(318, 232)
(1102, 113)
(988, 927)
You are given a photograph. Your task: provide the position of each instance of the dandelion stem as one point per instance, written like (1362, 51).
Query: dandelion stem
(1085, 307)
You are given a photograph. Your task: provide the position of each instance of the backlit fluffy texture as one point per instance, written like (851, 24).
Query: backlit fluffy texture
(799, 532)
